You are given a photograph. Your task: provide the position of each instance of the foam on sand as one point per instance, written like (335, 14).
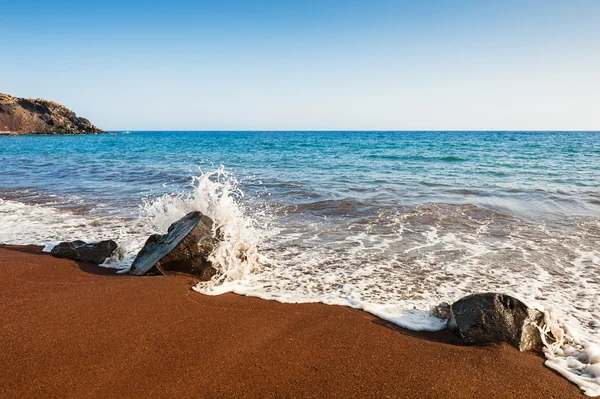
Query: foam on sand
(394, 263)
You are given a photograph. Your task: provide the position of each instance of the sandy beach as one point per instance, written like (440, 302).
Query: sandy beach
(74, 330)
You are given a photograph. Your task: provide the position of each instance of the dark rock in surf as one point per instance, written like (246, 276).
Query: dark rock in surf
(95, 252)
(185, 248)
(490, 317)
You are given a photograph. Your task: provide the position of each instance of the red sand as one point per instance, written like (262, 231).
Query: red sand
(72, 330)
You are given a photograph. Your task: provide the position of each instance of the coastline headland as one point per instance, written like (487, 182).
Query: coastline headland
(36, 116)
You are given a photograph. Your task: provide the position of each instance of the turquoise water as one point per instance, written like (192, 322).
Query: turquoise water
(517, 172)
(391, 222)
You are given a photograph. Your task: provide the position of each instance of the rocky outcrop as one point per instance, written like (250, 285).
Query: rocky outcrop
(29, 116)
(95, 252)
(185, 248)
(490, 317)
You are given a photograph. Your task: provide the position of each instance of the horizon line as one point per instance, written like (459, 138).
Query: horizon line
(358, 130)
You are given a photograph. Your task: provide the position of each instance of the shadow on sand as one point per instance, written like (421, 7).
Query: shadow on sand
(83, 266)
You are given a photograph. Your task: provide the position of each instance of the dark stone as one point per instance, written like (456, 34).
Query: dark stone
(490, 317)
(185, 248)
(95, 252)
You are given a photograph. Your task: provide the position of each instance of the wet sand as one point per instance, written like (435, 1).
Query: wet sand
(74, 330)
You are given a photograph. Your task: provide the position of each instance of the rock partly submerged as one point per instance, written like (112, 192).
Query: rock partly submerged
(187, 245)
(96, 252)
(185, 248)
(491, 317)
(37, 116)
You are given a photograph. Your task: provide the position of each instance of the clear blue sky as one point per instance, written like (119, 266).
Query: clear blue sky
(311, 64)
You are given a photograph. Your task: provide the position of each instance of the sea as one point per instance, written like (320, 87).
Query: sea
(395, 223)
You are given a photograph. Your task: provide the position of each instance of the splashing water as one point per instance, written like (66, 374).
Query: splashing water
(395, 265)
(216, 195)
(242, 270)
(571, 354)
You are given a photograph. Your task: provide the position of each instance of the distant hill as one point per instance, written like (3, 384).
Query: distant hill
(37, 116)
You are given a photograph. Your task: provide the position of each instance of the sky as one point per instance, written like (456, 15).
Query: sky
(310, 64)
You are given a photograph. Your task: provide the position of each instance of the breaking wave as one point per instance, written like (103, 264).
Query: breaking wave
(215, 194)
(397, 263)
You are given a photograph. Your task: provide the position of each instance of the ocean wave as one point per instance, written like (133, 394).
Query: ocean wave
(332, 208)
(399, 265)
(395, 157)
(215, 194)
(466, 191)
(452, 159)
(434, 184)
(394, 261)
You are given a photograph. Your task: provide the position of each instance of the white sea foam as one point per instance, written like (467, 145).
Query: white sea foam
(396, 264)
(216, 195)
(399, 265)
(45, 225)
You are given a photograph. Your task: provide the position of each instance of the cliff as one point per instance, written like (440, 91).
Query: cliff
(29, 116)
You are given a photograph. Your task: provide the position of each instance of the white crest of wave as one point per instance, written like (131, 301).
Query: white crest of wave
(217, 195)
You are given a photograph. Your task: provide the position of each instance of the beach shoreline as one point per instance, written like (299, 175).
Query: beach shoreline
(77, 330)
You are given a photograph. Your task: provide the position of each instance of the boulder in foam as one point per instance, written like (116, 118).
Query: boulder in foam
(490, 317)
(185, 249)
(95, 252)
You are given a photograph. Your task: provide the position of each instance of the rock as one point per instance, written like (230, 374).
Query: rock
(37, 116)
(490, 317)
(185, 248)
(95, 252)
